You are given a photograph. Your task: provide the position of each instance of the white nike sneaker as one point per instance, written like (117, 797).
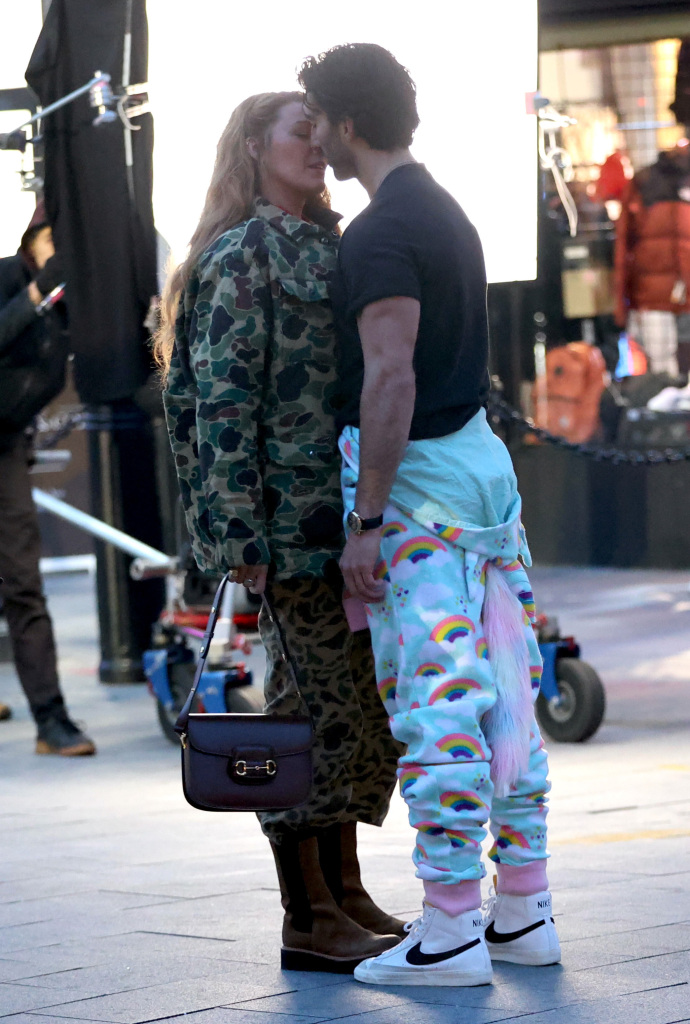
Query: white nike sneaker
(520, 929)
(439, 950)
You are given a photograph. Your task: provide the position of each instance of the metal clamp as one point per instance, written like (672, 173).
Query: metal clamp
(270, 767)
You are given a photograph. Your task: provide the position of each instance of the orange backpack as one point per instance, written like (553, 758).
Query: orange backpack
(566, 400)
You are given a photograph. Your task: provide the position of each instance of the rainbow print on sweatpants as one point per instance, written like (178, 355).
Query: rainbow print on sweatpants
(435, 676)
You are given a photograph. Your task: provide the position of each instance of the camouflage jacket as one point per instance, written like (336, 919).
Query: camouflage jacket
(249, 399)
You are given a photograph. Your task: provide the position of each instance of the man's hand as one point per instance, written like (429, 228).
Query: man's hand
(253, 577)
(361, 554)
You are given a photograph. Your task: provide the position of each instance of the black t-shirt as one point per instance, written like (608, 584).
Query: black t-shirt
(414, 240)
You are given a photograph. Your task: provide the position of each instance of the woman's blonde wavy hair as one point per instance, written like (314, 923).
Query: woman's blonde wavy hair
(235, 184)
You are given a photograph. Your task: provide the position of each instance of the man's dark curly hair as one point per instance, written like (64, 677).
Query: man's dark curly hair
(365, 82)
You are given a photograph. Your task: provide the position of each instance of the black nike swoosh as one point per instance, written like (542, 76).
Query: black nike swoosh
(419, 959)
(491, 935)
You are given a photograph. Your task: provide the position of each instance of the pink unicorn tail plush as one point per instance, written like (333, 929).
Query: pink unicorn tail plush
(507, 724)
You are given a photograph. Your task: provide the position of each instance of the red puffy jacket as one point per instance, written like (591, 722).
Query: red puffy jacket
(653, 238)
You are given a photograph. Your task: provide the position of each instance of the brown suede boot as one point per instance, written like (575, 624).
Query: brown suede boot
(341, 868)
(317, 935)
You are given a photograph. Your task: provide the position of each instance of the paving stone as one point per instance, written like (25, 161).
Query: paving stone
(584, 923)
(656, 1006)
(10, 971)
(177, 881)
(423, 1013)
(46, 933)
(609, 979)
(50, 960)
(328, 1001)
(102, 949)
(15, 971)
(57, 883)
(156, 1001)
(36, 1017)
(126, 974)
(642, 942)
(508, 995)
(224, 1015)
(17, 998)
(85, 904)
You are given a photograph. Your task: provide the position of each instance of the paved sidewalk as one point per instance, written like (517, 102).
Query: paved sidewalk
(120, 903)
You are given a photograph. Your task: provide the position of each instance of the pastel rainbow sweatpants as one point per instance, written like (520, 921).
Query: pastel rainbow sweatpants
(435, 680)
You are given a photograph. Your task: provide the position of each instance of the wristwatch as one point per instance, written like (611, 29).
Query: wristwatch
(358, 525)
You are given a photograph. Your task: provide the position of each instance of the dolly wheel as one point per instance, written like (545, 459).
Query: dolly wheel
(582, 702)
(239, 700)
(180, 679)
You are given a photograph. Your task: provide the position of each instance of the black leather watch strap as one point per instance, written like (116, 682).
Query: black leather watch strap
(359, 525)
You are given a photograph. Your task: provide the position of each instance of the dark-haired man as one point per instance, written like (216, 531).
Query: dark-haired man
(435, 538)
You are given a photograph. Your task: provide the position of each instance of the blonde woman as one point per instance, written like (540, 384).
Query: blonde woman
(248, 344)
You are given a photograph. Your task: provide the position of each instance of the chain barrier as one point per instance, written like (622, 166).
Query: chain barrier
(501, 409)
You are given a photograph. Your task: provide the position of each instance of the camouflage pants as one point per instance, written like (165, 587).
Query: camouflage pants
(355, 756)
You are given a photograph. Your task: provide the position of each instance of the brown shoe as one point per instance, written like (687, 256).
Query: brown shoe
(59, 735)
(317, 935)
(5, 712)
(339, 855)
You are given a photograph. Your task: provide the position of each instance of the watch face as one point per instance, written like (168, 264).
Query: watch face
(354, 522)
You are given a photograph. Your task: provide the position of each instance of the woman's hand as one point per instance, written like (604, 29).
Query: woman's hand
(253, 577)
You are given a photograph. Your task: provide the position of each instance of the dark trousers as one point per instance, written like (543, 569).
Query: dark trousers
(31, 630)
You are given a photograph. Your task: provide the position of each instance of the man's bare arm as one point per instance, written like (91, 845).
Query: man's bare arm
(388, 331)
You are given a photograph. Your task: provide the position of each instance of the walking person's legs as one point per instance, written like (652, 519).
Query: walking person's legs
(24, 605)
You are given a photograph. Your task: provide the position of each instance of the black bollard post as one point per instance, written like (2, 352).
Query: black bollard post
(123, 487)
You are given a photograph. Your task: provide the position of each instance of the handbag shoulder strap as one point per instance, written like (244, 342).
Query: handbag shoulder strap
(183, 717)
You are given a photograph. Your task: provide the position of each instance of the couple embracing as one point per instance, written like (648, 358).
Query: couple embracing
(314, 380)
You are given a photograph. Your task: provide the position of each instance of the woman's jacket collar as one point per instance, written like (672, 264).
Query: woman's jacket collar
(294, 227)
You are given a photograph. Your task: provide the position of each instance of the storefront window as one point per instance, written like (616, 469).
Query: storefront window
(612, 310)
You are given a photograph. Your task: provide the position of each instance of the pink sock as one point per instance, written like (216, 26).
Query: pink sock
(525, 880)
(454, 899)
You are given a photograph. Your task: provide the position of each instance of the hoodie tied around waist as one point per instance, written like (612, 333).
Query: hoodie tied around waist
(463, 489)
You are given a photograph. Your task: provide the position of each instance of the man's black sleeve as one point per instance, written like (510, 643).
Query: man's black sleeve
(15, 316)
(378, 261)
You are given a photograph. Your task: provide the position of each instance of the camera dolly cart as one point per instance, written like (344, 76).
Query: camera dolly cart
(571, 701)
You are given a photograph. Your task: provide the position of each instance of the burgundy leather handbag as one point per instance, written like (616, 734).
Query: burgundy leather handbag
(243, 762)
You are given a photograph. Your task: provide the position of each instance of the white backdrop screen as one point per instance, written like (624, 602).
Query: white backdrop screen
(472, 62)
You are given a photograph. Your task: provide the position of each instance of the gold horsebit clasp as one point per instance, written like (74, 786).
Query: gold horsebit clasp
(242, 769)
